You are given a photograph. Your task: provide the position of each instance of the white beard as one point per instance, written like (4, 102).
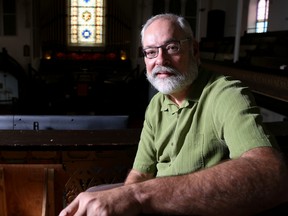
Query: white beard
(175, 83)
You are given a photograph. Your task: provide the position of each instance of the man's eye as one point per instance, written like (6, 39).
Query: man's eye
(150, 52)
(172, 47)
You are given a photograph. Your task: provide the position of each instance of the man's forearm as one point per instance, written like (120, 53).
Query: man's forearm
(135, 177)
(236, 187)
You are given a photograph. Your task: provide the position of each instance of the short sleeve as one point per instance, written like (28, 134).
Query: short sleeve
(239, 119)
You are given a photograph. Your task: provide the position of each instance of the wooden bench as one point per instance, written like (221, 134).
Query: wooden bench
(70, 161)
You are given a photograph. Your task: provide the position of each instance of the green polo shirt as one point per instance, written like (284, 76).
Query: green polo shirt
(217, 121)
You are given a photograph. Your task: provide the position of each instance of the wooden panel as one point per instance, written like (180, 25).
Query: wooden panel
(90, 168)
(3, 210)
(20, 182)
(28, 189)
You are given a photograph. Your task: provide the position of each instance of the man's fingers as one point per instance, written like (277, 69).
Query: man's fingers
(71, 209)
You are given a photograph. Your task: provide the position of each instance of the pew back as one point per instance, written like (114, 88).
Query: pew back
(62, 122)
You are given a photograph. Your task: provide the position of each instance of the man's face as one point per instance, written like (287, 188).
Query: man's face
(168, 73)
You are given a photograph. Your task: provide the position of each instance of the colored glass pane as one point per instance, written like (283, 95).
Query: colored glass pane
(86, 23)
(262, 16)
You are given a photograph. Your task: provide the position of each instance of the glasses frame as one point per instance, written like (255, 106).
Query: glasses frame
(164, 47)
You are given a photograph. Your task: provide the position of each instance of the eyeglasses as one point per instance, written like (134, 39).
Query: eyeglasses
(171, 48)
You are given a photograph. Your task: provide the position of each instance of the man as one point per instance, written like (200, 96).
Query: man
(203, 149)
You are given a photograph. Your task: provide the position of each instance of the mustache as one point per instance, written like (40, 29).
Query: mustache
(165, 69)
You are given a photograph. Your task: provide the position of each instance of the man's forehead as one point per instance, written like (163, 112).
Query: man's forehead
(156, 24)
(160, 32)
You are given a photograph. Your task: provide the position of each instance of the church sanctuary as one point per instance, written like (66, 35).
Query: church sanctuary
(73, 87)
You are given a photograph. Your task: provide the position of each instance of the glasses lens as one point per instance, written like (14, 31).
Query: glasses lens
(151, 52)
(173, 48)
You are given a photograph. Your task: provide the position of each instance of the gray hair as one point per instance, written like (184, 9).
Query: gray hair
(178, 20)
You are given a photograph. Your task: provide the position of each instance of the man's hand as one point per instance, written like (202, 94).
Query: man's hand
(118, 201)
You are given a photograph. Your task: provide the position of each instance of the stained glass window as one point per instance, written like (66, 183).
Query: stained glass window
(86, 23)
(262, 16)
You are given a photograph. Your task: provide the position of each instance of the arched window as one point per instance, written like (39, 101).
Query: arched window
(86, 23)
(7, 18)
(262, 16)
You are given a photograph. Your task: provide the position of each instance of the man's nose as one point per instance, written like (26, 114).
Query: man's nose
(163, 57)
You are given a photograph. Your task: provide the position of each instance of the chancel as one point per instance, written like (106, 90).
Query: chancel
(74, 90)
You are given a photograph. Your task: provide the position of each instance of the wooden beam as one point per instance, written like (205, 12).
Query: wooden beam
(64, 139)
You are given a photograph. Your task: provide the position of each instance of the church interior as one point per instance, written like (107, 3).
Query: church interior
(71, 108)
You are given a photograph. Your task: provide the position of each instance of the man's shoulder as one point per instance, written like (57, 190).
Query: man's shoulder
(220, 81)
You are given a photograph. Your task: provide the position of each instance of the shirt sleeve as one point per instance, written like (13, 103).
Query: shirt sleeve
(145, 160)
(239, 119)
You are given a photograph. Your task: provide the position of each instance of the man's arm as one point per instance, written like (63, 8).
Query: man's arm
(245, 186)
(254, 182)
(135, 177)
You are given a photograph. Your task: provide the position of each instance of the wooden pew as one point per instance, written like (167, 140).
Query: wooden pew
(63, 162)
